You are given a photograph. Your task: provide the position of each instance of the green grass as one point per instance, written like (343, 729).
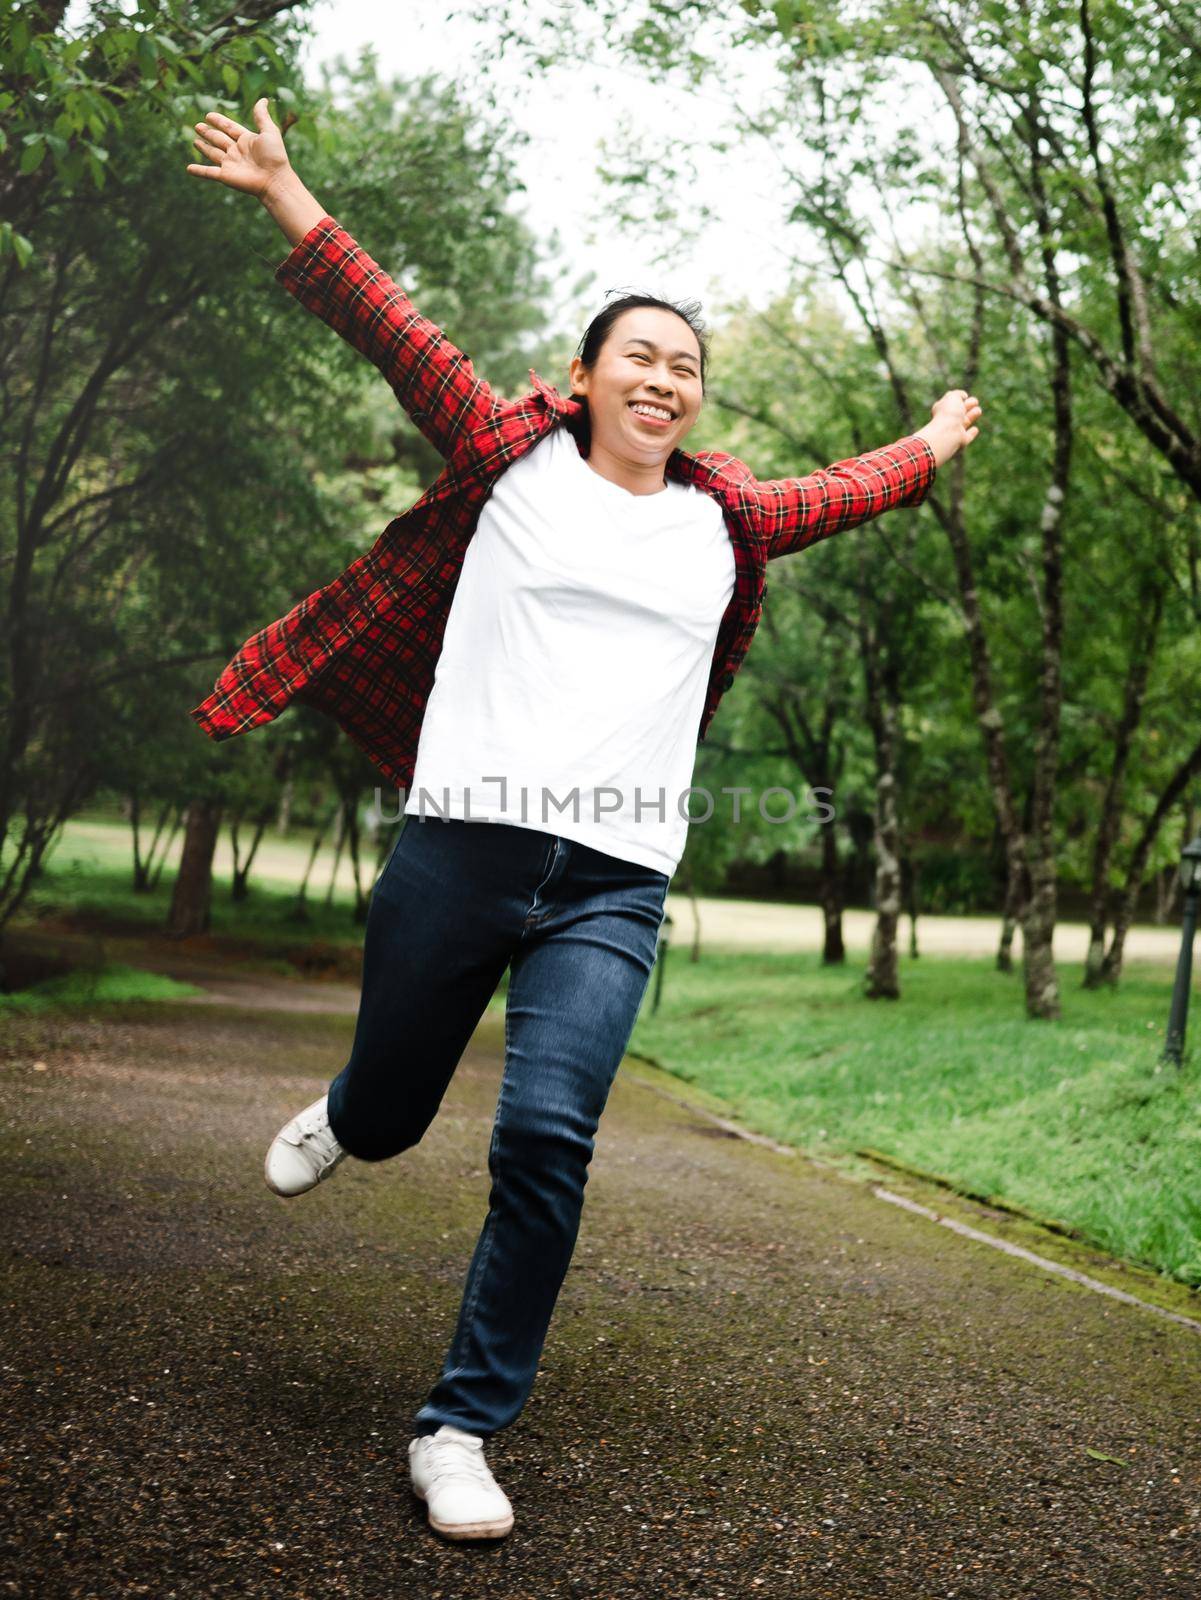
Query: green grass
(86, 988)
(1074, 1120)
(89, 877)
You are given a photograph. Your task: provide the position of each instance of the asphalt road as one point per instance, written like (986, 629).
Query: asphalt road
(760, 1380)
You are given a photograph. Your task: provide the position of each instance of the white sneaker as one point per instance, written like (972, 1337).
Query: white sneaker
(449, 1473)
(303, 1152)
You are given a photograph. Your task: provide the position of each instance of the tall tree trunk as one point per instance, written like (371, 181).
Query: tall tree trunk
(352, 845)
(164, 853)
(1028, 861)
(1166, 881)
(237, 887)
(694, 954)
(1168, 887)
(829, 888)
(283, 776)
(339, 842)
(992, 730)
(283, 820)
(883, 979)
(1038, 929)
(241, 878)
(1009, 922)
(910, 896)
(1127, 375)
(1109, 824)
(191, 898)
(1111, 966)
(141, 874)
(811, 748)
(300, 911)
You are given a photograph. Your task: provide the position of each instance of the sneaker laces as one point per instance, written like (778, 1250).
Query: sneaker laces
(454, 1458)
(313, 1126)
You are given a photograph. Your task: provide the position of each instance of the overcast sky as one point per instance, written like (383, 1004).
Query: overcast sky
(566, 114)
(745, 253)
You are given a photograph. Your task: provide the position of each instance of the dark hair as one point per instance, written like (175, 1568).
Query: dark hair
(599, 328)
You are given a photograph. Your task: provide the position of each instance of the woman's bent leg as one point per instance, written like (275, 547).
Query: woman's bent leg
(444, 919)
(576, 984)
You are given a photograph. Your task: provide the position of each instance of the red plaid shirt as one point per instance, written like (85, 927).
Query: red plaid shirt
(363, 648)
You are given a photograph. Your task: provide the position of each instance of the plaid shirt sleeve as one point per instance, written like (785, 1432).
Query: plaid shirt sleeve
(793, 513)
(435, 382)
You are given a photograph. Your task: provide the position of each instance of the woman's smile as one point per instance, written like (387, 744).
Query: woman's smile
(649, 367)
(651, 415)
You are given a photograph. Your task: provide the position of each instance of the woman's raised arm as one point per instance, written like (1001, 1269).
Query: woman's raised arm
(794, 513)
(332, 276)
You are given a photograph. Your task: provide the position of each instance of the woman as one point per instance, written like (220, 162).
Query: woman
(538, 642)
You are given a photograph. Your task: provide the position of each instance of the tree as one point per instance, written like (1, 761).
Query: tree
(1062, 172)
(183, 448)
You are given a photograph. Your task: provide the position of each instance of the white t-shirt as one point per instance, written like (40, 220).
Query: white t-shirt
(576, 657)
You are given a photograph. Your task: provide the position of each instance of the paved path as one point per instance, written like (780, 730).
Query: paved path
(763, 925)
(759, 1381)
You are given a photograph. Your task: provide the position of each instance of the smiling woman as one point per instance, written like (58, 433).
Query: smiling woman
(557, 618)
(641, 368)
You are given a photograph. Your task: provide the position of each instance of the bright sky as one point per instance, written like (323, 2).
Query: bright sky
(567, 113)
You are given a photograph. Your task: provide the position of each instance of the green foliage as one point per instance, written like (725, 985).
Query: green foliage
(955, 881)
(913, 223)
(77, 96)
(187, 453)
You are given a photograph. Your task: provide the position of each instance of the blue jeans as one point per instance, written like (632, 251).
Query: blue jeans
(456, 904)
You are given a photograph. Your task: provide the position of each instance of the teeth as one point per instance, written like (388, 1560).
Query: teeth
(652, 411)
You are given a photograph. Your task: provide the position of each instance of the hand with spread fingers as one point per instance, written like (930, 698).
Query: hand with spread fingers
(252, 162)
(954, 424)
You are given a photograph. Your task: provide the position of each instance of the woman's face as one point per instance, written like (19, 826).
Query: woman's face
(650, 359)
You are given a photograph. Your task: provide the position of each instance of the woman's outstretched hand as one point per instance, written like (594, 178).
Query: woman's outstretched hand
(953, 425)
(258, 164)
(252, 162)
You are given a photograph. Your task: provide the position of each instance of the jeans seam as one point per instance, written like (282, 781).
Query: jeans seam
(468, 1313)
(538, 888)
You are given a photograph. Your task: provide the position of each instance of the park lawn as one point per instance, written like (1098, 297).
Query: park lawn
(1074, 1120)
(88, 877)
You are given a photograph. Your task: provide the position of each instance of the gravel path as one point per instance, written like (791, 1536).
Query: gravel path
(759, 1380)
